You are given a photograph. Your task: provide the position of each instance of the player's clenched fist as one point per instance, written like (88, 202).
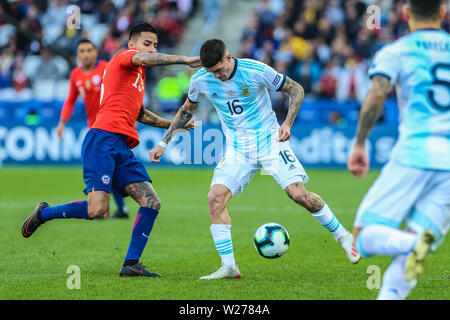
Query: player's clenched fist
(156, 153)
(284, 133)
(194, 62)
(358, 162)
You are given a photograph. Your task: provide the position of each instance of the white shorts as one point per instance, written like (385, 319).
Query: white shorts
(236, 170)
(417, 196)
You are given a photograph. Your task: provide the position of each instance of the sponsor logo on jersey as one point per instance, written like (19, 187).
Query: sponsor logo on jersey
(231, 93)
(214, 95)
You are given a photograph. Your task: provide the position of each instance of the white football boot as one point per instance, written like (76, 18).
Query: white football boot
(224, 272)
(414, 262)
(346, 242)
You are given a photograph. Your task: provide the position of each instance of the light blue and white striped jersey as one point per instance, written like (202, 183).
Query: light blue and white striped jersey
(242, 102)
(418, 64)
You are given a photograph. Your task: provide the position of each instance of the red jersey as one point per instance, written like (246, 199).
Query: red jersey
(122, 97)
(88, 86)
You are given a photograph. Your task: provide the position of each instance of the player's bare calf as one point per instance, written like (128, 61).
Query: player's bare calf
(98, 204)
(320, 210)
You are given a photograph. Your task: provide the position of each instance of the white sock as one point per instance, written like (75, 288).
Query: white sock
(395, 287)
(327, 219)
(221, 234)
(384, 241)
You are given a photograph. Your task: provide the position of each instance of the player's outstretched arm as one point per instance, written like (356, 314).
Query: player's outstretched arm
(296, 94)
(358, 161)
(161, 59)
(152, 119)
(179, 122)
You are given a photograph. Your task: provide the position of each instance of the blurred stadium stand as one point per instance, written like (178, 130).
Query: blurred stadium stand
(325, 45)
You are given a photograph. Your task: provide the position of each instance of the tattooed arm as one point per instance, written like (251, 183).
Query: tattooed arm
(161, 59)
(181, 119)
(358, 161)
(296, 94)
(151, 119)
(372, 107)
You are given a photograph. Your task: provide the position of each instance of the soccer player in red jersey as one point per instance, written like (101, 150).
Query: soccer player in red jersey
(85, 81)
(106, 151)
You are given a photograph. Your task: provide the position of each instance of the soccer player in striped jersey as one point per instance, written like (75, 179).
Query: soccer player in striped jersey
(414, 186)
(238, 88)
(85, 81)
(108, 160)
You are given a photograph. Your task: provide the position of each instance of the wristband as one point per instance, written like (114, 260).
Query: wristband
(162, 144)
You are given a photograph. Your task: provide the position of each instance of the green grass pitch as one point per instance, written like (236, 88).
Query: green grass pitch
(181, 248)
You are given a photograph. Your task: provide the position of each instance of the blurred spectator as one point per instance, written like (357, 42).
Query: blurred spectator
(334, 12)
(308, 71)
(6, 62)
(56, 13)
(328, 79)
(107, 12)
(68, 39)
(20, 81)
(363, 44)
(352, 20)
(169, 28)
(265, 54)
(47, 69)
(30, 23)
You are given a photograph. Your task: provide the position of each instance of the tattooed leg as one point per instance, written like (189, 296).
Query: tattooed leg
(309, 200)
(322, 213)
(144, 194)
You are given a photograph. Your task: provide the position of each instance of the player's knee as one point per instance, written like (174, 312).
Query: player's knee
(216, 199)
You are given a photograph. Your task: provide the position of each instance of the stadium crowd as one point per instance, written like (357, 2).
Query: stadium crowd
(325, 45)
(30, 58)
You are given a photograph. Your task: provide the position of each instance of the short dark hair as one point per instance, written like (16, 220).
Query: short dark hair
(425, 9)
(135, 30)
(84, 40)
(212, 52)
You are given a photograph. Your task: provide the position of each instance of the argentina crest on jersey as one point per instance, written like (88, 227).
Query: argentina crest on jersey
(245, 89)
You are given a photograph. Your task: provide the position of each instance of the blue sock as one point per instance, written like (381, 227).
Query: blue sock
(143, 225)
(75, 209)
(119, 200)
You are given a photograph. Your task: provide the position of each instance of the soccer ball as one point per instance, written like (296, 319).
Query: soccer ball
(271, 240)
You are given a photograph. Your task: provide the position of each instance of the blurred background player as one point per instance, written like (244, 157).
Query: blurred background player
(239, 90)
(108, 161)
(415, 184)
(86, 80)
